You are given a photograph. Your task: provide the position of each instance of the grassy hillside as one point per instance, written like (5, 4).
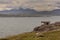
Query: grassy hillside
(32, 36)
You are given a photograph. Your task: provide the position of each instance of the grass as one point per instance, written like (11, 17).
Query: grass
(55, 35)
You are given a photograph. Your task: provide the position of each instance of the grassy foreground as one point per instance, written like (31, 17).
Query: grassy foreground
(55, 35)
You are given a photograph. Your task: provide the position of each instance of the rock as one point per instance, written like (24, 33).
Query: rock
(47, 27)
(38, 34)
(57, 23)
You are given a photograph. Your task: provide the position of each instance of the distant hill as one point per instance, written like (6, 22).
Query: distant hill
(56, 12)
(29, 12)
(19, 12)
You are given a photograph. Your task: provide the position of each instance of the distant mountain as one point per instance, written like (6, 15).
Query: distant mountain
(18, 11)
(29, 12)
(56, 12)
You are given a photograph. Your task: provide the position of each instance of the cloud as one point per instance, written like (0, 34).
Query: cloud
(39, 5)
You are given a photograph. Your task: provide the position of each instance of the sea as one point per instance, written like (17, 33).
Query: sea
(16, 25)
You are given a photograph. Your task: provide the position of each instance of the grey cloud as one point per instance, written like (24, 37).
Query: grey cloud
(33, 4)
(5, 1)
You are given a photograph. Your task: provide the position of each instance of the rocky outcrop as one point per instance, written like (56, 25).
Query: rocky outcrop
(47, 26)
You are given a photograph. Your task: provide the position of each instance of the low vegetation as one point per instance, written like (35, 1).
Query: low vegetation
(54, 35)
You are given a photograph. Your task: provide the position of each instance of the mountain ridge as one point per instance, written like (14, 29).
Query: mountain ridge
(30, 12)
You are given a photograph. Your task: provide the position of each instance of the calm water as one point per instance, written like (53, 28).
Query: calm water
(15, 25)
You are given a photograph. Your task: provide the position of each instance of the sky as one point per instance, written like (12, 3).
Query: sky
(38, 5)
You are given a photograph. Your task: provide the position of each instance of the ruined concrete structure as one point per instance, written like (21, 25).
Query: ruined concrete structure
(45, 22)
